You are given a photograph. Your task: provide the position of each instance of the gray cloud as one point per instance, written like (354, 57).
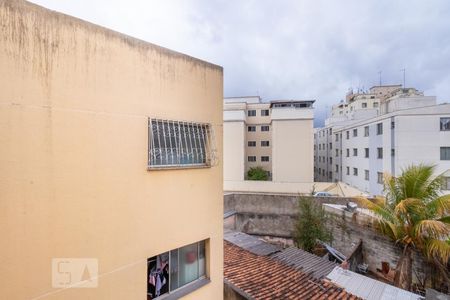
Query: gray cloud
(293, 49)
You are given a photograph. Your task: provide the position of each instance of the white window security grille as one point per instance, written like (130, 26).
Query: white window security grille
(178, 144)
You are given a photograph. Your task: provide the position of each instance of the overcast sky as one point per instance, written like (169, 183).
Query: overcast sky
(293, 49)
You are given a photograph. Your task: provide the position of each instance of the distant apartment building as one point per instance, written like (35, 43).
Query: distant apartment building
(276, 135)
(111, 164)
(388, 129)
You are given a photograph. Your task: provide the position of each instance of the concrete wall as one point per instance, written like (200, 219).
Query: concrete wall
(268, 214)
(274, 216)
(349, 228)
(74, 105)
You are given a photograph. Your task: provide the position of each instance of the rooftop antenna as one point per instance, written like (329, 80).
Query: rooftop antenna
(404, 77)
(379, 74)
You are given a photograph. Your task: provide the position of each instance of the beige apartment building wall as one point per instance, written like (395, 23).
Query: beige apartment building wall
(234, 132)
(74, 105)
(258, 136)
(292, 150)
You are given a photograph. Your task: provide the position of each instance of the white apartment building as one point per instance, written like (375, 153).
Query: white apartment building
(405, 128)
(275, 135)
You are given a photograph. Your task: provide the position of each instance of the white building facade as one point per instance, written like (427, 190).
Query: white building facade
(409, 128)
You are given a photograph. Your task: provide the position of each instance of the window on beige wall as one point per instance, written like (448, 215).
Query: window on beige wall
(168, 273)
(251, 113)
(179, 144)
(265, 128)
(265, 143)
(251, 143)
(264, 158)
(264, 112)
(251, 158)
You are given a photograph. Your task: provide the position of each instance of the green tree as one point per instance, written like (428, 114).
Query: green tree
(310, 225)
(415, 215)
(257, 173)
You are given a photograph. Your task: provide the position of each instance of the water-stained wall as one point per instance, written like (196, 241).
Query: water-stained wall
(74, 105)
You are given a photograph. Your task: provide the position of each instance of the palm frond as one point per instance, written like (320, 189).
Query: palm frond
(392, 230)
(410, 206)
(391, 189)
(388, 223)
(381, 210)
(417, 181)
(431, 229)
(439, 206)
(445, 219)
(439, 249)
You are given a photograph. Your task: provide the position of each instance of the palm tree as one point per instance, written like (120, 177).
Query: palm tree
(415, 215)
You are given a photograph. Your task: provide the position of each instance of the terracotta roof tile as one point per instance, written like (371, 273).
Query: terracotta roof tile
(261, 277)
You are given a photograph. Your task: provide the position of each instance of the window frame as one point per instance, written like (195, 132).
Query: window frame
(186, 144)
(379, 128)
(380, 177)
(251, 113)
(379, 152)
(444, 153)
(251, 160)
(446, 126)
(188, 287)
(264, 111)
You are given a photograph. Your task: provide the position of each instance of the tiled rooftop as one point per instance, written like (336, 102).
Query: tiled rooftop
(261, 277)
